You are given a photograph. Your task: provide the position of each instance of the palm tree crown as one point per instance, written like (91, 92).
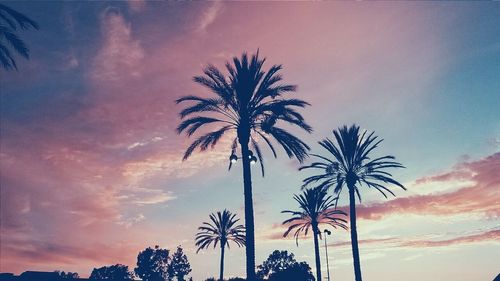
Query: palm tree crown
(316, 207)
(10, 22)
(351, 164)
(222, 229)
(249, 101)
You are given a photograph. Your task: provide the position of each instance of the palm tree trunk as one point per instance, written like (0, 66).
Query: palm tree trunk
(354, 234)
(222, 248)
(316, 253)
(249, 222)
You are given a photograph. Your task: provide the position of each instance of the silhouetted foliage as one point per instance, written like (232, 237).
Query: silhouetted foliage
(277, 261)
(67, 275)
(299, 271)
(316, 207)
(10, 22)
(282, 266)
(250, 102)
(351, 166)
(112, 272)
(152, 264)
(179, 266)
(221, 229)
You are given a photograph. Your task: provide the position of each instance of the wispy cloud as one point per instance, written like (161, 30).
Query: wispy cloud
(492, 235)
(209, 15)
(136, 6)
(120, 54)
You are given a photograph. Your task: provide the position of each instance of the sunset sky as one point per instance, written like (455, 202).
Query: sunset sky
(91, 165)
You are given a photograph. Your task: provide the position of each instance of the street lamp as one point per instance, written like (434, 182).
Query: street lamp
(327, 232)
(234, 158)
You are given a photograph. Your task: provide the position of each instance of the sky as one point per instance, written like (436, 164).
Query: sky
(91, 165)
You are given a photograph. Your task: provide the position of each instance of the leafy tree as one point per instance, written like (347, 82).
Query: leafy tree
(299, 271)
(316, 207)
(67, 275)
(179, 265)
(252, 103)
(152, 264)
(112, 272)
(10, 22)
(277, 261)
(282, 266)
(221, 229)
(350, 165)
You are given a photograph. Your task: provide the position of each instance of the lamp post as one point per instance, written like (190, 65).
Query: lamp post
(327, 232)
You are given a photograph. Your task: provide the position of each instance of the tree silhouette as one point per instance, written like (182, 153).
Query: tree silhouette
(10, 22)
(67, 275)
(297, 271)
(277, 261)
(252, 103)
(352, 166)
(221, 229)
(316, 207)
(112, 272)
(179, 265)
(152, 264)
(282, 266)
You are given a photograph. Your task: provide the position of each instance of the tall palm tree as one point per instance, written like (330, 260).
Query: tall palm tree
(352, 166)
(10, 22)
(252, 103)
(316, 207)
(221, 230)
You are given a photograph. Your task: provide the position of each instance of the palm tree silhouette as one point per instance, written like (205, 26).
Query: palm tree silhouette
(221, 230)
(10, 22)
(251, 102)
(316, 207)
(352, 166)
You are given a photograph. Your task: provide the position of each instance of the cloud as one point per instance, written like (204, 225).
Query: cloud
(209, 16)
(491, 235)
(130, 221)
(365, 241)
(480, 197)
(136, 6)
(120, 54)
(149, 196)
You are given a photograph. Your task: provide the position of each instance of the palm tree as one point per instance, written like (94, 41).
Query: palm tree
(351, 166)
(221, 230)
(250, 102)
(10, 22)
(316, 207)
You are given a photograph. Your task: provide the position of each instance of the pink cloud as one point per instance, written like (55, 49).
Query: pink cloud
(464, 239)
(481, 197)
(120, 54)
(492, 235)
